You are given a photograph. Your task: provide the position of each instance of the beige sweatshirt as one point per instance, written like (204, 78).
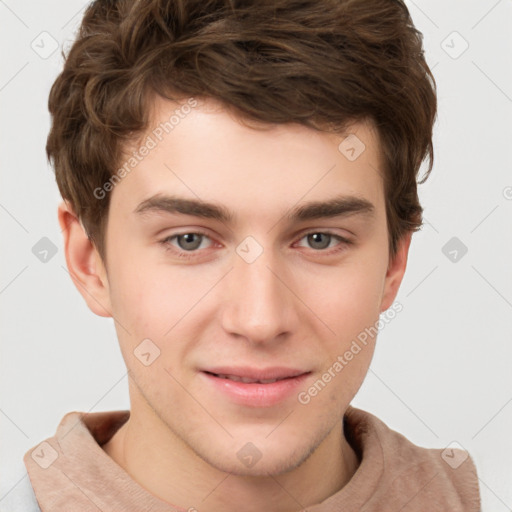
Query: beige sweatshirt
(71, 472)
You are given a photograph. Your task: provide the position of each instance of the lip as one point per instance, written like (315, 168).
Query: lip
(255, 394)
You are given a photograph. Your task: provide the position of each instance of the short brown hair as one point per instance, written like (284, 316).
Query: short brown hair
(322, 63)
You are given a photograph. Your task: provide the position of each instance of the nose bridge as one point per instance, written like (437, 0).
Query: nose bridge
(258, 306)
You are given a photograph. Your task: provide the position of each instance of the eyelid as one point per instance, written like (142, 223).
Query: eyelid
(325, 231)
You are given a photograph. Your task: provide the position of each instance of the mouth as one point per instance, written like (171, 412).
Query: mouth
(247, 380)
(254, 387)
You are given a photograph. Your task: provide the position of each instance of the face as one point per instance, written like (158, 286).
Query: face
(242, 264)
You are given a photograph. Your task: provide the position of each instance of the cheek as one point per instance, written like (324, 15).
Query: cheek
(348, 299)
(158, 302)
(150, 308)
(137, 300)
(148, 296)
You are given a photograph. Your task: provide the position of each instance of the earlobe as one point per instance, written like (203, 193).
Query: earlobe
(84, 263)
(395, 272)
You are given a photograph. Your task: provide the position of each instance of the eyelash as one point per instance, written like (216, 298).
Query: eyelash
(344, 242)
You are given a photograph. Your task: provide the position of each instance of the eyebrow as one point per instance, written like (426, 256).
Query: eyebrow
(338, 206)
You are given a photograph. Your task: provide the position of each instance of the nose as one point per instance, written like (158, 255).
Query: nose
(258, 305)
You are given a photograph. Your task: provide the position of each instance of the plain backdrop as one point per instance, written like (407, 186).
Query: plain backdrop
(442, 369)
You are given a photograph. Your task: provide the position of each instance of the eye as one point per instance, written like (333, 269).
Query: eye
(321, 240)
(187, 245)
(188, 242)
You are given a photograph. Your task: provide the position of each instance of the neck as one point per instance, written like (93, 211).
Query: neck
(172, 472)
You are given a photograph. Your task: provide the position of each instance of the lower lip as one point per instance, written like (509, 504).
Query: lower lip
(257, 394)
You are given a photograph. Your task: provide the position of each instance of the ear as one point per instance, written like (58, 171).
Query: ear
(84, 263)
(395, 272)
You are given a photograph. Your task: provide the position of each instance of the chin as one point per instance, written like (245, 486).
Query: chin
(264, 461)
(263, 468)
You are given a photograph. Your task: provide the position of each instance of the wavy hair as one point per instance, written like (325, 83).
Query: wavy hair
(322, 63)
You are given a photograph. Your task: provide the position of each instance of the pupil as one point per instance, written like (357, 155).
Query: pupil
(315, 240)
(189, 242)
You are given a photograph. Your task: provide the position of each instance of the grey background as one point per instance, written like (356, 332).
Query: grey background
(441, 372)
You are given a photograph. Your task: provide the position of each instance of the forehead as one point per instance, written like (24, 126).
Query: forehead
(202, 150)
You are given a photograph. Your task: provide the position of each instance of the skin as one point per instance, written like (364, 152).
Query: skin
(295, 305)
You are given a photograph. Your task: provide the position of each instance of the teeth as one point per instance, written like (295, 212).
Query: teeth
(246, 380)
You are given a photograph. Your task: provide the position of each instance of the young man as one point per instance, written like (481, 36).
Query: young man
(240, 191)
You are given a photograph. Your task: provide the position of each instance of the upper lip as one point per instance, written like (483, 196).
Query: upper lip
(274, 372)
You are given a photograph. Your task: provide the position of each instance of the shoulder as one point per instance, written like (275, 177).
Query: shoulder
(446, 479)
